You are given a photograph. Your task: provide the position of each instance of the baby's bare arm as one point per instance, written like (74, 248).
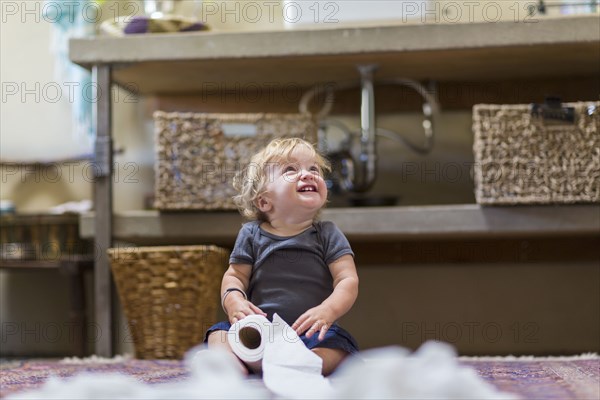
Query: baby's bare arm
(345, 292)
(235, 305)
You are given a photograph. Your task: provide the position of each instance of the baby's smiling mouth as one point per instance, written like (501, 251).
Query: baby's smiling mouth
(308, 188)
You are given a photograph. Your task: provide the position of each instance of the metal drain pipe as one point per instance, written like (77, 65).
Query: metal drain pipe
(367, 159)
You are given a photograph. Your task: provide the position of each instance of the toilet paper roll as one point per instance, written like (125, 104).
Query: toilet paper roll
(248, 338)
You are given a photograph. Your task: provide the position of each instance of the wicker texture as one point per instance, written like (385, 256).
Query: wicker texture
(197, 160)
(523, 159)
(169, 295)
(42, 237)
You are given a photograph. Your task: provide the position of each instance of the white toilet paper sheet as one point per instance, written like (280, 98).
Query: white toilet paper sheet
(289, 368)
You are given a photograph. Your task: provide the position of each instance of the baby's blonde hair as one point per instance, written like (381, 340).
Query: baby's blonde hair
(251, 181)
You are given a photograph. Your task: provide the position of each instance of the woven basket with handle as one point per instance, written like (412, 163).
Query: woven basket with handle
(522, 158)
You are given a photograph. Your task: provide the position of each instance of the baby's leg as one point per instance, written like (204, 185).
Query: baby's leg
(218, 339)
(331, 358)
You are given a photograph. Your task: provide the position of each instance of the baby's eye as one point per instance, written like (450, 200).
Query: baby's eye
(314, 168)
(289, 168)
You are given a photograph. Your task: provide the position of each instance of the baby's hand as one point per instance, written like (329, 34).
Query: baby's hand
(239, 308)
(317, 319)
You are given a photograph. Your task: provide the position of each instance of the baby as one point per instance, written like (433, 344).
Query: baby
(285, 261)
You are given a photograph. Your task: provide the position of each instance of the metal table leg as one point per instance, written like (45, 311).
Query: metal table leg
(103, 210)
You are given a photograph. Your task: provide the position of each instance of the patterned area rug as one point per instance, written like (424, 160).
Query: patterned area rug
(530, 378)
(550, 378)
(26, 375)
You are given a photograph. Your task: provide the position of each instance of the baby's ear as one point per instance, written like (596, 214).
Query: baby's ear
(263, 204)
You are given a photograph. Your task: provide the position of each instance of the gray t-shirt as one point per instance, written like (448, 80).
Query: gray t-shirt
(289, 274)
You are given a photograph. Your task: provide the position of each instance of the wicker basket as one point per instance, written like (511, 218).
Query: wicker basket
(523, 156)
(169, 295)
(199, 154)
(42, 237)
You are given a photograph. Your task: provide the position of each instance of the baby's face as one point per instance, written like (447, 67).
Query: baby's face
(296, 186)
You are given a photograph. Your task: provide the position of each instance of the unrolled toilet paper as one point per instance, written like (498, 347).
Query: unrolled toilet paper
(289, 368)
(432, 372)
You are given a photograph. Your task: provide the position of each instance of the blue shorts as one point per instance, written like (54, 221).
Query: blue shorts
(335, 338)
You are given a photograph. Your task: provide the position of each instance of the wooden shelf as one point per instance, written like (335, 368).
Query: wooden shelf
(367, 224)
(211, 62)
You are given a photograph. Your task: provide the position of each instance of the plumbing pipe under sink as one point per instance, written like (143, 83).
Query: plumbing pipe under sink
(358, 174)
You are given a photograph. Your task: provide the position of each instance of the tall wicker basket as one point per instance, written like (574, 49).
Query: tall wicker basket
(169, 295)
